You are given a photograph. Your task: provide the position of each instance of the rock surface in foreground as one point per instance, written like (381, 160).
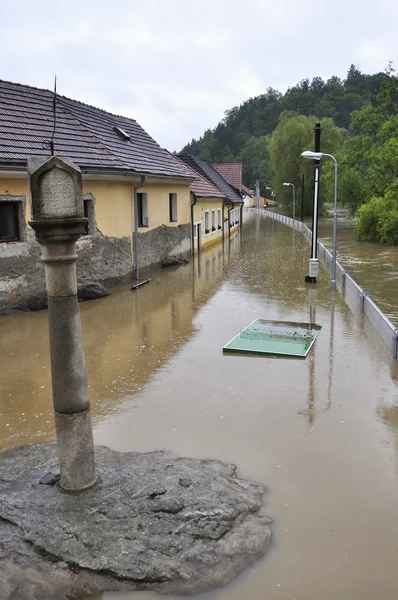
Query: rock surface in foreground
(156, 522)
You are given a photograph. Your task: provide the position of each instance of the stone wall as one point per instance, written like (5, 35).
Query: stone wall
(21, 273)
(163, 242)
(102, 259)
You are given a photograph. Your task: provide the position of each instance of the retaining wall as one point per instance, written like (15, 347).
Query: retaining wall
(102, 259)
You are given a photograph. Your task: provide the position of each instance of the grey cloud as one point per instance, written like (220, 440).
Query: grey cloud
(177, 66)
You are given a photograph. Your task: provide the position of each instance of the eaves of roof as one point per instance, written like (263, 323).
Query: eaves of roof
(200, 186)
(208, 172)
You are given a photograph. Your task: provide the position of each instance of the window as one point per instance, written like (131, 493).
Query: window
(91, 226)
(213, 220)
(207, 226)
(142, 206)
(122, 134)
(9, 222)
(219, 219)
(173, 207)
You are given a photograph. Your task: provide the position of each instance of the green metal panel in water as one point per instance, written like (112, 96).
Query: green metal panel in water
(280, 338)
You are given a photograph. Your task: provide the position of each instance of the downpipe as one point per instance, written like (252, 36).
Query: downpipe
(135, 238)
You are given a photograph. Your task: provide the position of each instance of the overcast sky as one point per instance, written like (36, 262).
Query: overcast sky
(176, 65)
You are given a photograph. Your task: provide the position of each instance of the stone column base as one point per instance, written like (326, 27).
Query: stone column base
(75, 450)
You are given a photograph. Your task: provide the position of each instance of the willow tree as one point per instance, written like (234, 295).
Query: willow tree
(294, 134)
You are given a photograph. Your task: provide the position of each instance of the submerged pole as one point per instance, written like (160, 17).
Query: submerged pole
(334, 226)
(58, 221)
(257, 194)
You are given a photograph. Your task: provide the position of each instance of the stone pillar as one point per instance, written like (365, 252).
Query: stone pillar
(58, 221)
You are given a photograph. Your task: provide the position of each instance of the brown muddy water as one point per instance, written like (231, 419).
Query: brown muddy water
(320, 433)
(373, 266)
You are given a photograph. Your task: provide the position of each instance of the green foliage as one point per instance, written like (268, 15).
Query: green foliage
(368, 164)
(258, 117)
(378, 218)
(256, 163)
(268, 133)
(293, 135)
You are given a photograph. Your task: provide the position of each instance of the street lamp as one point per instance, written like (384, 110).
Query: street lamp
(294, 198)
(318, 156)
(267, 187)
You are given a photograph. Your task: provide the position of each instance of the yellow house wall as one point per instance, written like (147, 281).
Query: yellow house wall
(199, 217)
(112, 206)
(158, 204)
(16, 187)
(114, 203)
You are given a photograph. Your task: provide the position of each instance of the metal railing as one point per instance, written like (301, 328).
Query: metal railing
(356, 297)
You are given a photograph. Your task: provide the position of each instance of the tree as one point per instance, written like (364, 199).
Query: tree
(368, 160)
(256, 164)
(268, 133)
(293, 135)
(378, 218)
(208, 146)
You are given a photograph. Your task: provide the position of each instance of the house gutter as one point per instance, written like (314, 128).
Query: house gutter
(22, 168)
(229, 221)
(195, 199)
(224, 202)
(241, 216)
(135, 238)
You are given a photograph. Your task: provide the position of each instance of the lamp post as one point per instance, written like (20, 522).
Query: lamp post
(294, 198)
(267, 187)
(257, 194)
(318, 156)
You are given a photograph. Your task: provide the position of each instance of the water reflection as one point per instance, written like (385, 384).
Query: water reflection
(128, 337)
(159, 380)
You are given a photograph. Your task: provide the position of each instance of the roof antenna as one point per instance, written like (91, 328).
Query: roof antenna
(54, 116)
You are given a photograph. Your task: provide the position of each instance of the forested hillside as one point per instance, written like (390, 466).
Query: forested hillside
(359, 117)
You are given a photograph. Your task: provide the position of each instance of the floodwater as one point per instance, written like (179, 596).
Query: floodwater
(320, 433)
(373, 266)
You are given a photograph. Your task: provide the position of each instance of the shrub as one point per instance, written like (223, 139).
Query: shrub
(378, 218)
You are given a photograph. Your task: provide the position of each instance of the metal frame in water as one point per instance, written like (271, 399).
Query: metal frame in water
(276, 338)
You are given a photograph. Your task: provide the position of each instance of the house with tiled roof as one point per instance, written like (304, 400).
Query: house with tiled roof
(230, 212)
(248, 195)
(208, 206)
(232, 172)
(115, 155)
